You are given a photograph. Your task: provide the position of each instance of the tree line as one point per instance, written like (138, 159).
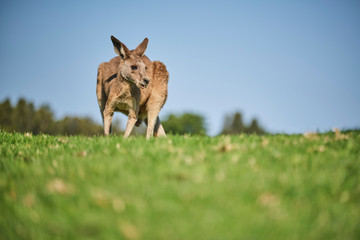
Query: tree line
(25, 117)
(190, 123)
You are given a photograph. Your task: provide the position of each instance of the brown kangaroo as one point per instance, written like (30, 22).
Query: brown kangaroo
(134, 85)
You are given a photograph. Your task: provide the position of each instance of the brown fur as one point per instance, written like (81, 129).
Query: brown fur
(116, 92)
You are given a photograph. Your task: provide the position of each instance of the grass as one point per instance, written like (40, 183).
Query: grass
(192, 187)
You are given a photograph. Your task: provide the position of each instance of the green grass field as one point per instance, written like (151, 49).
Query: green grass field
(240, 187)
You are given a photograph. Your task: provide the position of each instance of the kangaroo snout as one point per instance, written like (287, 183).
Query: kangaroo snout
(146, 81)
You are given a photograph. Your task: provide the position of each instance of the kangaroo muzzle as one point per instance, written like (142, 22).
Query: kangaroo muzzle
(145, 82)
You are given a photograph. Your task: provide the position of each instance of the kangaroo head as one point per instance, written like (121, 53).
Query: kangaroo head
(132, 68)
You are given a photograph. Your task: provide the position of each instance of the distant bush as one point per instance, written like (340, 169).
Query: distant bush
(187, 123)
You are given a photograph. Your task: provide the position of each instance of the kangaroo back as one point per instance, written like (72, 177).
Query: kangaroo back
(160, 77)
(100, 93)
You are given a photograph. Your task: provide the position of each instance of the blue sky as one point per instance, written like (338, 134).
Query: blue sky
(294, 65)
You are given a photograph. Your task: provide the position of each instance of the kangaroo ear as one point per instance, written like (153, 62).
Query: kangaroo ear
(120, 48)
(140, 50)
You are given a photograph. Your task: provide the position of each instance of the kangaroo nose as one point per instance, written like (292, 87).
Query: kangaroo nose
(146, 81)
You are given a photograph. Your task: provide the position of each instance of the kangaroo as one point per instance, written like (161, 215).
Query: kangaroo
(132, 84)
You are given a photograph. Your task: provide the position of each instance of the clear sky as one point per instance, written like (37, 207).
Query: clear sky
(294, 65)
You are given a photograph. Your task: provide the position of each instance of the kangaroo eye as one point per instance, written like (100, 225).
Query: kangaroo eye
(134, 67)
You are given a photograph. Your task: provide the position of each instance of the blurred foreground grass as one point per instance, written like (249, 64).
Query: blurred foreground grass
(240, 187)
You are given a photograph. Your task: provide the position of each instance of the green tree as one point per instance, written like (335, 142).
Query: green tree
(187, 123)
(78, 126)
(6, 115)
(233, 124)
(254, 128)
(23, 116)
(43, 121)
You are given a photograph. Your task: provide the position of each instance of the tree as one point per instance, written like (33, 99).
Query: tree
(78, 126)
(43, 121)
(233, 124)
(254, 128)
(6, 115)
(23, 115)
(187, 123)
